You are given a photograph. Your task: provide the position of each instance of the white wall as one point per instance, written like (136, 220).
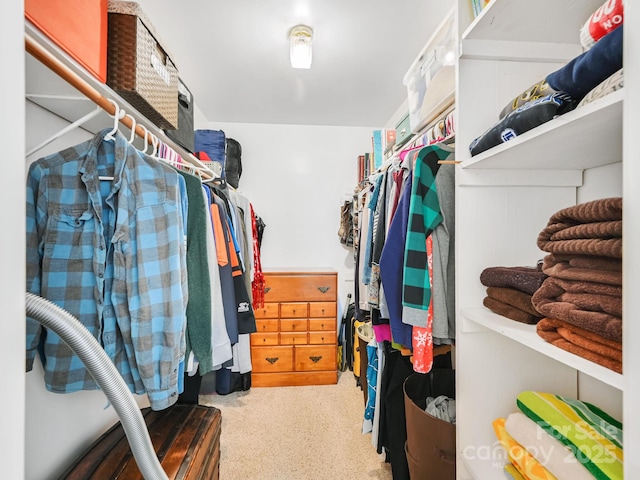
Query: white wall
(296, 178)
(12, 253)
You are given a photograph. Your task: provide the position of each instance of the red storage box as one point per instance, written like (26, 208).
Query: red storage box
(79, 27)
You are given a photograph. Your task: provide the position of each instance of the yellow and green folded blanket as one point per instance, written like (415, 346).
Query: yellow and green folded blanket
(522, 461)
(594, 437)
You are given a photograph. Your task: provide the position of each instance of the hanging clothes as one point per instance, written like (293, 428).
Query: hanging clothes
(117, 262)
(199, 281)
(220, 337)
(391, 262)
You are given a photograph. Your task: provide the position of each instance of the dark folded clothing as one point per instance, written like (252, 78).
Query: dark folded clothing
(581, 342)
(510, 312)
(525, 279)
(566, 271)
(513, 297)
(546, 301)
(523, 119)
(589, 69)
(535, 91)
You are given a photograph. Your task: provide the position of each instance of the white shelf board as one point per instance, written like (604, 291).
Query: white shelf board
(515, 20)
(485, 469)
(587, 137)
(527, 336)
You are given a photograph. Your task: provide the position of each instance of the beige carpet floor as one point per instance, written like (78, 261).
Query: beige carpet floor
(287, 433)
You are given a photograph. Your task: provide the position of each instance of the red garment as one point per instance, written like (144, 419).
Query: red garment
(422, 338)
(257, 284)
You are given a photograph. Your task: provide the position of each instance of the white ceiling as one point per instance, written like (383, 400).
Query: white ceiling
(234, 56)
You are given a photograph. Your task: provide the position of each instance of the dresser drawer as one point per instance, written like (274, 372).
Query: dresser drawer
(270, 310)
(315, 357)
(293, 325)
(270, 325)
(322, 338)
(264, 339)
(293, 310)
(272, 359)
(324, 324)
(322, 309)
(293, 338)
(291, 287)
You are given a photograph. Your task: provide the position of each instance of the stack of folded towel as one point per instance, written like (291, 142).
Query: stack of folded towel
(581, 299)
(554, 437)
(510, 290)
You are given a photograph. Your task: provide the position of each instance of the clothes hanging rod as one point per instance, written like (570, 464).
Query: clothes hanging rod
(71, 77)
(68, 75)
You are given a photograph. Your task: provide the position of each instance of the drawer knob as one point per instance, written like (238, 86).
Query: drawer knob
(266, 289)
(324, 289)
(272, 360)
(315, 358)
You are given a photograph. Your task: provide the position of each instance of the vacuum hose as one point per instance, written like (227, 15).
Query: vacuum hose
(102, 369)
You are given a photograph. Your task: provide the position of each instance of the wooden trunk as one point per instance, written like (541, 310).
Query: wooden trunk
(186, 439)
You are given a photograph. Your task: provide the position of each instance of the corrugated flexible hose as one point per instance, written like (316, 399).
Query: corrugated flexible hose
(102, 369)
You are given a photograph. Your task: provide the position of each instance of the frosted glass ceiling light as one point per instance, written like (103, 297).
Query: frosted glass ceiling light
(300, 41)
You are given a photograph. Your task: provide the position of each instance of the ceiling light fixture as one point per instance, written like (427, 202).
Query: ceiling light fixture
(300, 42)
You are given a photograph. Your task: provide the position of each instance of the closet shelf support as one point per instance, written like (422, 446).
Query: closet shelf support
(40, 53)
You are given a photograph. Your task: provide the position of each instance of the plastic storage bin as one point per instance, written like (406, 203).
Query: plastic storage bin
(430, 80)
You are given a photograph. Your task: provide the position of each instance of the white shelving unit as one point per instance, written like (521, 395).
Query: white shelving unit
(504, 198)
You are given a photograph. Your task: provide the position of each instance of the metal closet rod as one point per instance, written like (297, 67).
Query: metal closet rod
(75, 80)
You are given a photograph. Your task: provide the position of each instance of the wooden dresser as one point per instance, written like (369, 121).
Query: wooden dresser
(296, 341)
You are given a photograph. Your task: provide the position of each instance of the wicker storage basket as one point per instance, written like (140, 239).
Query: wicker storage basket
(138, 67)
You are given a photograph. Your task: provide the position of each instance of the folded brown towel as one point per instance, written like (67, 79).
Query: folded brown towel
(611, 229)
(509, 311)
(525, 279)
(610, 247)
(566, 271)
(581, 342)
(513, 297)
(601, 210)
(545, 299)
(594, 303)
(591, 228)
(595, 297)
(580, 286)
(586, 261)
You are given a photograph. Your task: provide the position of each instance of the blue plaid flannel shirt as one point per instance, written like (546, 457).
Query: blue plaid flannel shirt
(113, 255)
